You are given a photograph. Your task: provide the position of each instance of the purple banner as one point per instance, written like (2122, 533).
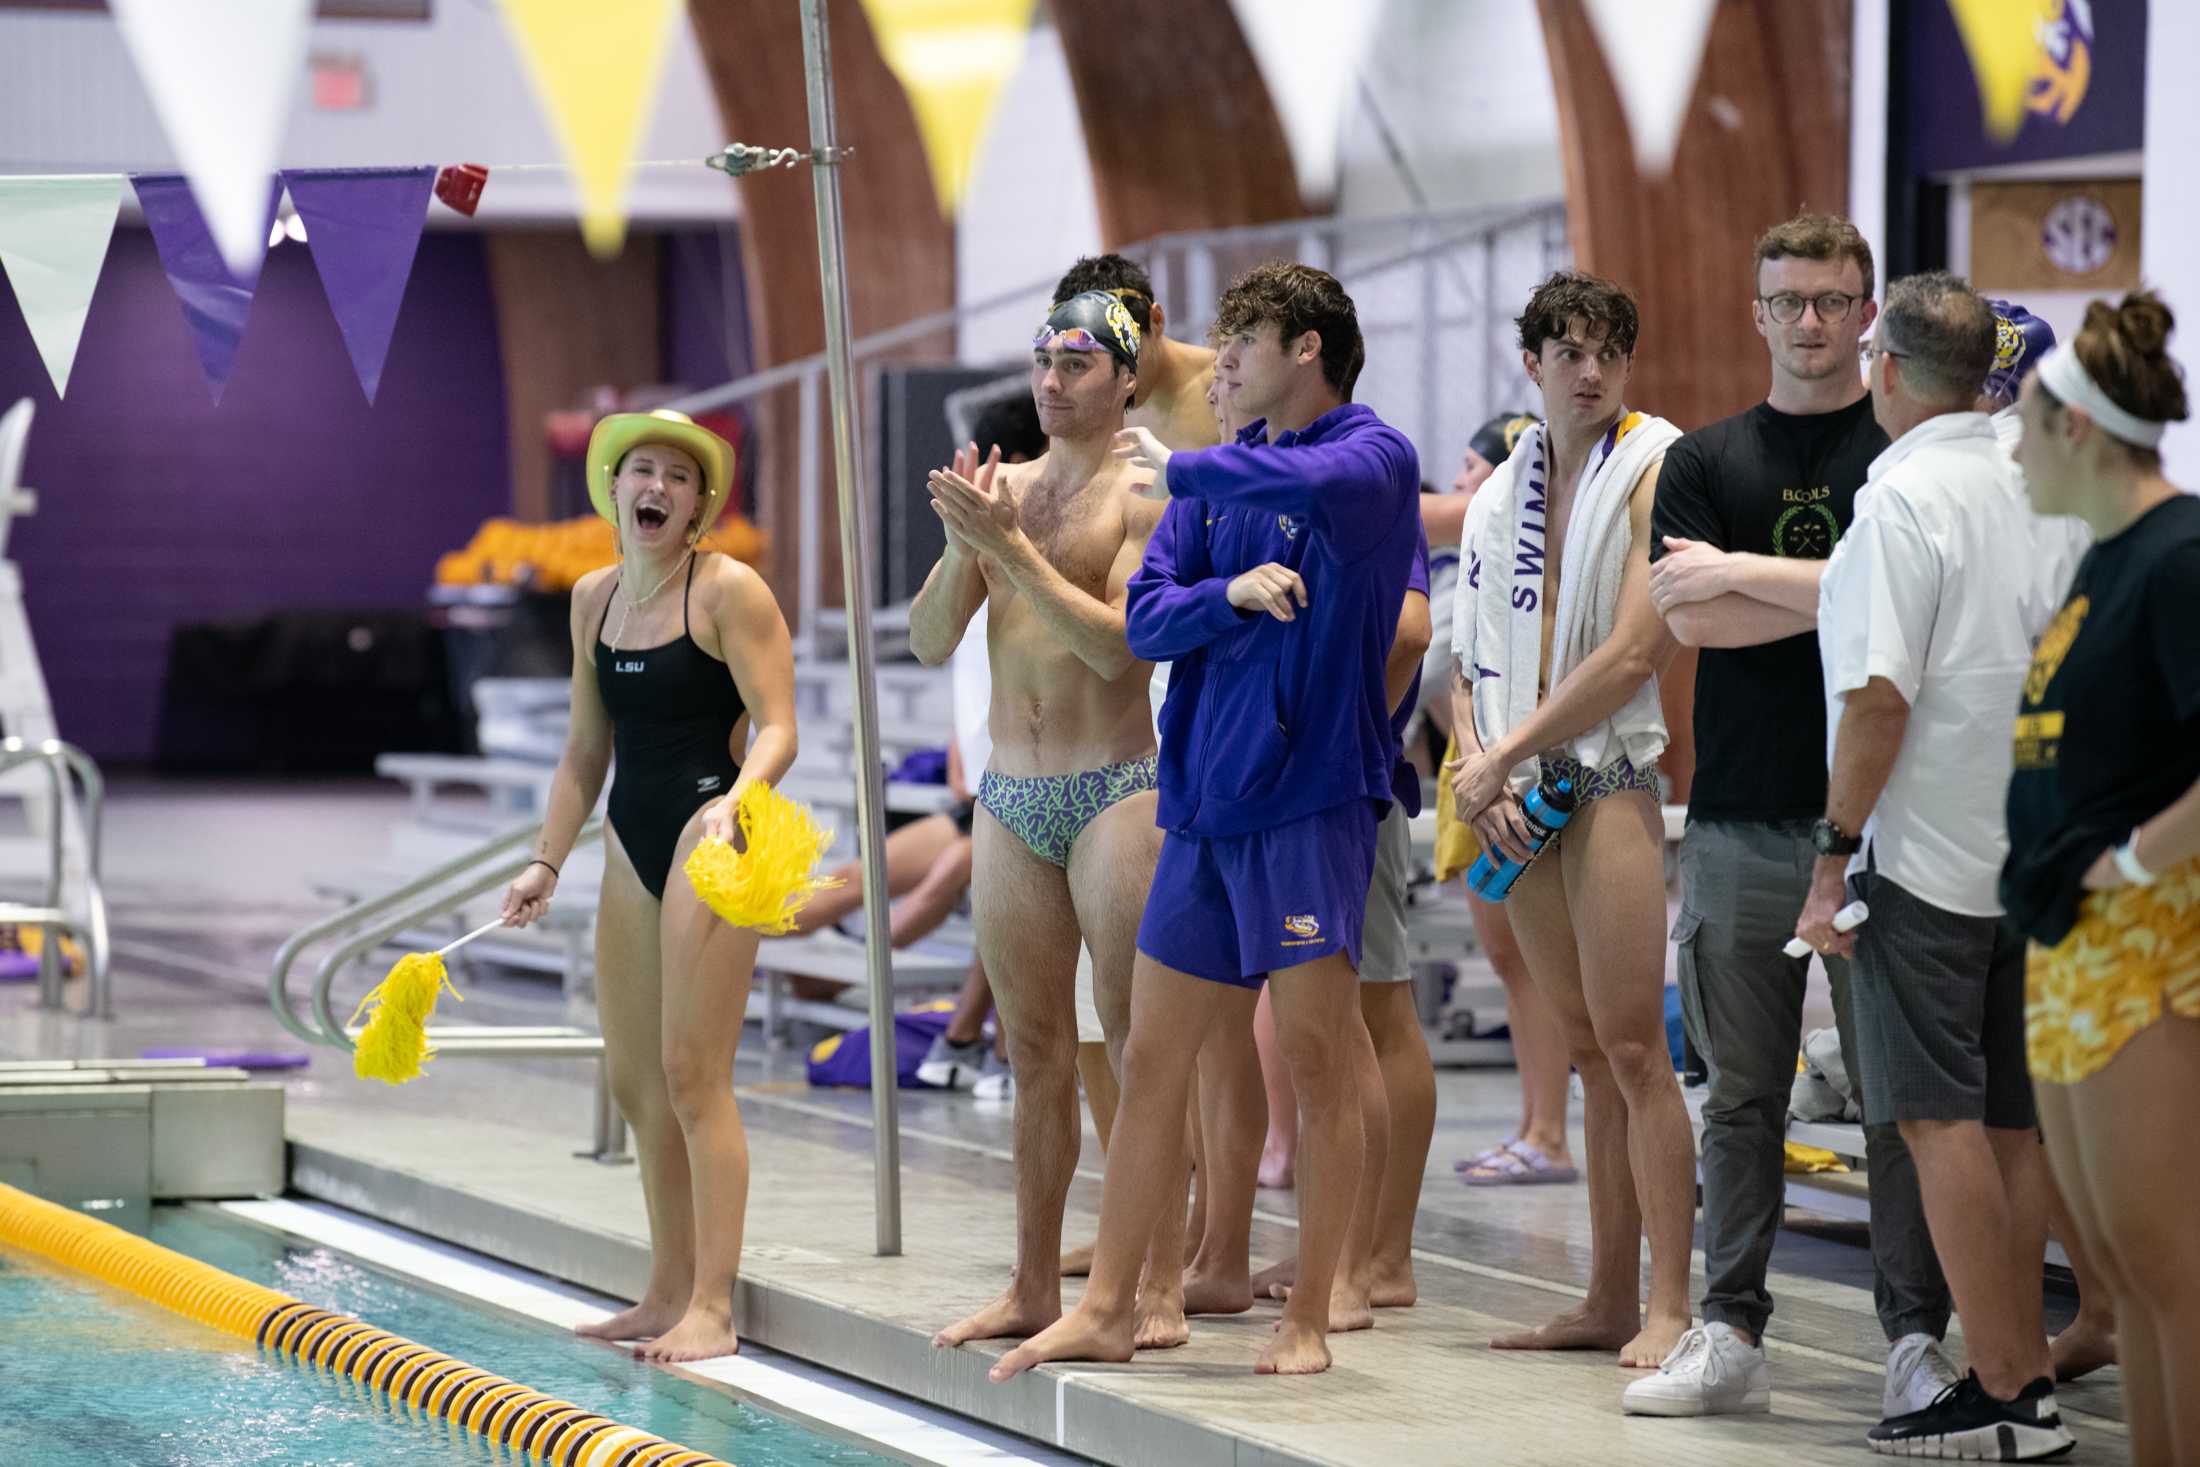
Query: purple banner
(215, 302)
(2089, 95)
(363, 225)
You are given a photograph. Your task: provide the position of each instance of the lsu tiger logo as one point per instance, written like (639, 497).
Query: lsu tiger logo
(1125, 327)
(2058, 88)
(2008, 343)
(1307, 927)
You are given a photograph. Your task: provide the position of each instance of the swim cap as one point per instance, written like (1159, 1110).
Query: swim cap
(1494, 440)
(2020, 340)
(1093, 321)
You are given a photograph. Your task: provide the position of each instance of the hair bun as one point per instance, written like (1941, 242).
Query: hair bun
(2144, 323)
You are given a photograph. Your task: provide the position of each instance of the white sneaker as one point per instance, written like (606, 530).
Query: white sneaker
(1711, 1372)
(998, 1083)
(951, 1066)
(1918, 1370)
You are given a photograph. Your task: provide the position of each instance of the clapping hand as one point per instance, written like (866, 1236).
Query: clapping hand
(978, 509)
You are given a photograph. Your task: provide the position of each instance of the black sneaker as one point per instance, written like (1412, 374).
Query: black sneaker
(1964, 1421)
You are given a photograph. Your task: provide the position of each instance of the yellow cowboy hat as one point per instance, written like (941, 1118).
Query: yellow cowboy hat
(613, 436)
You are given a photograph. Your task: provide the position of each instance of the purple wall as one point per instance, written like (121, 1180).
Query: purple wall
(706, 315)
(157, 508)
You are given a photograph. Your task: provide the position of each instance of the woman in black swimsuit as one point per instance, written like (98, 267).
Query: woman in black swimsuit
(677, 651)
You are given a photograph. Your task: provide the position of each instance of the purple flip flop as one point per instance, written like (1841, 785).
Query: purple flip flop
(1519, 1165)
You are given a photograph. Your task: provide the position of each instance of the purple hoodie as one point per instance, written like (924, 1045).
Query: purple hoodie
(1267, 721)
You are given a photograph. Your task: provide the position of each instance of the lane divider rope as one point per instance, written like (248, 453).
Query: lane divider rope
(527, 1422)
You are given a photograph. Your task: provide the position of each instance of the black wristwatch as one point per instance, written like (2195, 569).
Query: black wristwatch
(1829, 839)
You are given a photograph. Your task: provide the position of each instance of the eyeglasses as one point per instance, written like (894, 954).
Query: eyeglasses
(1871, 349)
(1786, 307)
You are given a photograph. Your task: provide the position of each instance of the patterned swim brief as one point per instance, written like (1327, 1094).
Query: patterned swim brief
(1614, 778)
(1047, 812)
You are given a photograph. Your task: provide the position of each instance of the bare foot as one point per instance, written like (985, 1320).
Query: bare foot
(645, 1321)
(1278, 1162)
(1576, 1329)
(1393, 1286)
(2082, 1349)
(1160, 1324)
(1647, 1350)
(1007, 1317)
(1274, 1281)
(1348, 1308)
(1294, 1349)
(1077, 1263)
(702, 1335)
(1216, 1293)
(1077, 1336)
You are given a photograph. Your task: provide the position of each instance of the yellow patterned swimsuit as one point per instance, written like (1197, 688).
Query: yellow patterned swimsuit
(2134, 955)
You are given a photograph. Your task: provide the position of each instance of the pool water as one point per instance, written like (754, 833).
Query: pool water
(91, 1375)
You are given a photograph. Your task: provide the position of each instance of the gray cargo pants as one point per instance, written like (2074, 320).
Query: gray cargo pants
(1743, 884)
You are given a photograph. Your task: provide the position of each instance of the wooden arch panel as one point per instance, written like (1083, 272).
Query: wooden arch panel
(900, 248)
(1767, 135)
(1179, 124)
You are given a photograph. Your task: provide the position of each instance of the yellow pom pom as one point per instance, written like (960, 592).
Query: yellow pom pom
(768, 885)
(395, 1041)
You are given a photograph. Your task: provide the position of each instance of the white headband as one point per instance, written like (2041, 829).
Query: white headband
(2066, 377)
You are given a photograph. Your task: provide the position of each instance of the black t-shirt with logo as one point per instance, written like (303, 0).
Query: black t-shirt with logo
(2108, 728)
(1767, 483)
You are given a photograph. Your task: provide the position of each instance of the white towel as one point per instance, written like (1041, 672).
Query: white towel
(1497, 623)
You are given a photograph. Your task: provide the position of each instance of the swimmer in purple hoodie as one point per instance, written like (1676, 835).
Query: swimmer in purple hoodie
(1274, 584)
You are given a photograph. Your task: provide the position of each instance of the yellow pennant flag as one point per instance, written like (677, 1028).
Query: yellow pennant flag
(2002, 38)
(952, 58)
(595, 65)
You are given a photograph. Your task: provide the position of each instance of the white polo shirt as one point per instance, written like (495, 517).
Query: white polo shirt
(1933, 588)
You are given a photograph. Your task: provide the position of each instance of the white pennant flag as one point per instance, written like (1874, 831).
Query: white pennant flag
(1653, 52)
(53, 239)
(221, 74)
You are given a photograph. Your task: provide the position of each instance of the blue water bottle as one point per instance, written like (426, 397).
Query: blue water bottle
(1548, 807)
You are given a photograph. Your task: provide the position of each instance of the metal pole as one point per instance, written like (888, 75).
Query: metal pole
(855, 581)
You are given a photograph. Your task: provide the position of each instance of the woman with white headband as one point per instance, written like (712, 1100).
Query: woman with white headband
(2104, 863)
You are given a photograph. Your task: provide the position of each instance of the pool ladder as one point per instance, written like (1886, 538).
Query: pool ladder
(85, 921)
(374, 921)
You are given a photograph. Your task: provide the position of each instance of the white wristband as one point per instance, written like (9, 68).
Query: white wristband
(2126, 857)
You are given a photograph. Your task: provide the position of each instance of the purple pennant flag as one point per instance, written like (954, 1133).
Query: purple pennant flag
(215, 302)
(363, 225)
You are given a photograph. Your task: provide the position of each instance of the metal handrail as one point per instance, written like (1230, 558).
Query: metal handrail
(1435, 237)
(278, 983)
(62, 760)
(1484, 217)
(430, 895)
(333, 1030)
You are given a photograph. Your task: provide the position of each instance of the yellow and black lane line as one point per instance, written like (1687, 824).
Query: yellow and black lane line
(425, 1382)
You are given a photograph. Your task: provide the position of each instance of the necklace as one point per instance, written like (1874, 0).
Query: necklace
(627, 609)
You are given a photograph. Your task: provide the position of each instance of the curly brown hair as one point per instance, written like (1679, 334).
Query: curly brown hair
(1566, 296)
(1299, 299)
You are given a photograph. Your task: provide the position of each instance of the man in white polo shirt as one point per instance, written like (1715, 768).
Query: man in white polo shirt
(1925, 615)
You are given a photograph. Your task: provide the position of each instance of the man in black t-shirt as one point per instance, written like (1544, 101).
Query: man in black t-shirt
(1748, 510)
